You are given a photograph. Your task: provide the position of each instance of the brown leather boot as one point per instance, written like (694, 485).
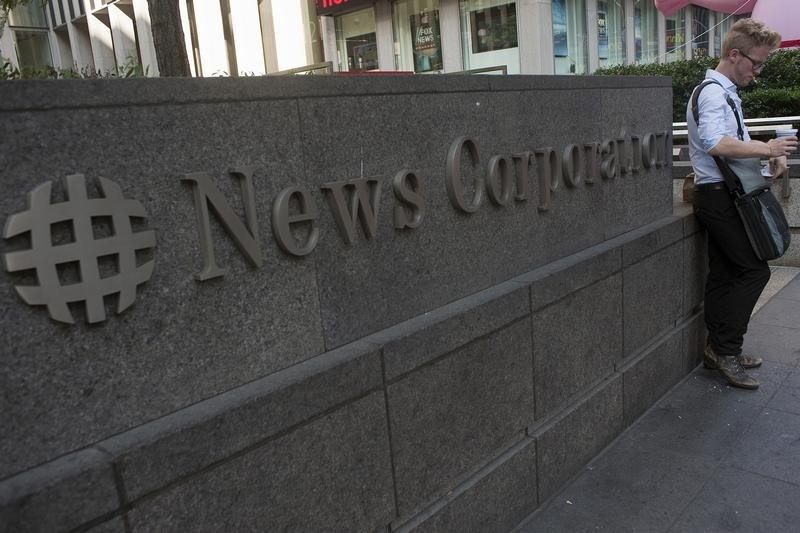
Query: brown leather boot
(733, 372)
(711, 359)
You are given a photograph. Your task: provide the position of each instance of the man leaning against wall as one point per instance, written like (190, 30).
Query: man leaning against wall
(736, 275)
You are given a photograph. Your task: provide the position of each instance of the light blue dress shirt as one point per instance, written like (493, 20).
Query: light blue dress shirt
(716, 121)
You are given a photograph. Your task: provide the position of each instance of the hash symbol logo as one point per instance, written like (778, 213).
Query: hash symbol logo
(86, 249)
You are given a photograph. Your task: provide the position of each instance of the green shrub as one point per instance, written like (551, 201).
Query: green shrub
(775, 94)
(778, 102)
(131, 69)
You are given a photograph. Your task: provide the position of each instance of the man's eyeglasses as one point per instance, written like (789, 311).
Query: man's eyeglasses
(756, 66)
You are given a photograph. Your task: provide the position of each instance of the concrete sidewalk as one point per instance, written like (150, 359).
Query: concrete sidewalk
(705, 457)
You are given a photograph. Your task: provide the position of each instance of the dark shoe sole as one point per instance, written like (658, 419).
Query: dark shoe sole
(757, 362)
(741, 385)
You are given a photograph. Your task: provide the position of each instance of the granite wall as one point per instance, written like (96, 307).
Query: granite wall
(441, 296)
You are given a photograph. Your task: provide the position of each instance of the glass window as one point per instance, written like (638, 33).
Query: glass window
(489, 34)
(33, 48)
(417, 35)
(700, 26)
(676, 36)
(645, 31)
(356, 43)
(570, 37)
(28, 15)
(611, 32)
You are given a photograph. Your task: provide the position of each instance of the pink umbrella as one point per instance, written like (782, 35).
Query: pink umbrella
(782, 16)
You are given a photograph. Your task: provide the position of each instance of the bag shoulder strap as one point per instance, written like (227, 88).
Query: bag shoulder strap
(731, 179)
(696, 111)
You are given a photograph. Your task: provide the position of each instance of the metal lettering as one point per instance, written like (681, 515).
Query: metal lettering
(623, 157)
(522, 162)
(636, 154)
(571, 165)
(282, 221)
(592, 159)
(549, 175)
(246, 238)
(649, 150)
(453, 177)
(664, 139)
(500, 179)
(362, 204)
(609, 166)
(406, 187)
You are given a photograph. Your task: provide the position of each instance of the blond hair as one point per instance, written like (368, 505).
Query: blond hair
(746, 34)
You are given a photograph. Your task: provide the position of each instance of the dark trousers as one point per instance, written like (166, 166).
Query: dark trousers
(736, 276)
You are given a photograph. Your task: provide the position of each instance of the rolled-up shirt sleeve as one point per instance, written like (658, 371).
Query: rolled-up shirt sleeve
(714, 117)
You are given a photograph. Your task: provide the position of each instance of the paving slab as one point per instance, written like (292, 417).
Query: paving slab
(771, 505)
(706, 456)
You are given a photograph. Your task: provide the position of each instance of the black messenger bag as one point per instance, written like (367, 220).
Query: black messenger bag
(761, 213)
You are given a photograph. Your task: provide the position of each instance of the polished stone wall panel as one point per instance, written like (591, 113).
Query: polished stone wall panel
(386, 382)
(74, 490)
(652, 374)
(458, 412)
(497, 501)
(578, 435)
(181, 341)
(155, 455)
(335, 470)
(577, 340)
(651, 304)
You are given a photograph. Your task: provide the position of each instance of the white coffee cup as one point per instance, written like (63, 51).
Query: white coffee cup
(786, 133)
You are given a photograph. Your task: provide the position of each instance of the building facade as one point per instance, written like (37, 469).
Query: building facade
(256, 37)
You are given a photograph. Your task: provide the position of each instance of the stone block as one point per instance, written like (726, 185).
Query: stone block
(335, 470)
(570, 441)
(653, 296)
(695, 270)
(576, 342)
(457, 412)
(115, 525)
(165, 450)
(638, 198)
(429, 336)
(60, 495)
(694, 341)
(497, 501)
(479, 255)
(652, 374)
(182, 340)
(690, 222)
(650, 239)
(565, 276)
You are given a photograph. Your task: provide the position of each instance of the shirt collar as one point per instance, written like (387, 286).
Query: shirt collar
(726, 83)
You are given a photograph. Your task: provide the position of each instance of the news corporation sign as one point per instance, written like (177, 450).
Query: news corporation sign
(107, 225)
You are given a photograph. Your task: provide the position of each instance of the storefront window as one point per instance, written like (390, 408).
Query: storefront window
(489, 34)
(700, 26)
(570, 37)
(676, 36)
(645, 31)
(356, 45)
(611, 32)
(417, 35)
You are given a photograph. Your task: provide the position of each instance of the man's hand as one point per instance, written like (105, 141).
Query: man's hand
(782, 146)
(777, 165)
